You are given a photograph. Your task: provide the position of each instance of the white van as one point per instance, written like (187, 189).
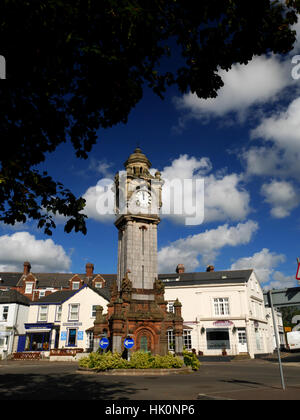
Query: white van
(293, 340)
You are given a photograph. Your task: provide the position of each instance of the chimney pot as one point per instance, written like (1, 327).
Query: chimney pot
(180, 268)
(27, 267)
(89, 269)
(210, 268)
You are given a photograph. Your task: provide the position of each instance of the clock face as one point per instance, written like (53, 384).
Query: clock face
(143, 198)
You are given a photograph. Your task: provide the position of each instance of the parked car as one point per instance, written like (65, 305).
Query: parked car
(293, 340)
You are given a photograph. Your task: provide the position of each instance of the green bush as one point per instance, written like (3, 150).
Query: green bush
(167, 362)
(138, 360)
(104, 361)
(190, 359)
(141, 360)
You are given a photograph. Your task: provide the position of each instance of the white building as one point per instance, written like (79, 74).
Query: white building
(61, 320)
(14, 309)
(222, 310)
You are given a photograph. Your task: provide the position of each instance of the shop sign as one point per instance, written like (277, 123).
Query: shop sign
(287, 329)
(223, 323)
(63, 335)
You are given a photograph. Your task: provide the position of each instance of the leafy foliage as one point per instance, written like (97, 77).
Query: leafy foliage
(190, 359)
(138, 360)
(74, 67)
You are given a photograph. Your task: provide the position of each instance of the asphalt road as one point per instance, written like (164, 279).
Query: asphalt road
(232, 380)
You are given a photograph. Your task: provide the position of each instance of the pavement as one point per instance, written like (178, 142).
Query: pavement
(280, 392)
(257, 379)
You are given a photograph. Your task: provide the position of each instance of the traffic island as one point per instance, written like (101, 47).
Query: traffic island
(138, 372)
(139, 363)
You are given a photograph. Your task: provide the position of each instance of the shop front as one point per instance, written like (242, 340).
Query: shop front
(218, 337)
(6, 338)
(38, 337)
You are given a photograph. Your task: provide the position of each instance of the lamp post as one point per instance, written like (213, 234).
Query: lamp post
(276, 338)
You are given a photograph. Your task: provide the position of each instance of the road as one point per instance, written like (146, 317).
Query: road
(250, 379)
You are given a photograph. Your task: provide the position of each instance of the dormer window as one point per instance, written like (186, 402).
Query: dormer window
(75, 285)
(98, 285)
(28, 288)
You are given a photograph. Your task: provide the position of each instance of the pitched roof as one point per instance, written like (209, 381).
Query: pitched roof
(61, 280)
(63, 295)
(9, 279)
(228, 276)
(12, 296)
(55, 280)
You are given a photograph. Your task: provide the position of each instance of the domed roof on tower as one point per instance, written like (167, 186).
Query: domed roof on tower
(136, 158)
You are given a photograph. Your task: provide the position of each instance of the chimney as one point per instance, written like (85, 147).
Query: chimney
(210, 268)
(180, 269)
(27, 268)
(89, 269)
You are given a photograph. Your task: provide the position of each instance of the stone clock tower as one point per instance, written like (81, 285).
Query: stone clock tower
(138, 200)
(137, 308)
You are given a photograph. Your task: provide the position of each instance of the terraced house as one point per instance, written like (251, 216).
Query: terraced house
(62, 320)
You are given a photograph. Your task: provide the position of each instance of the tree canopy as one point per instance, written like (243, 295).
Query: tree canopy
(76, 66)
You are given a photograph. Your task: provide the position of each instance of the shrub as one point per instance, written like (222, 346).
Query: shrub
(138, 360)
(104, 361)
(167, 362)
(141, 360)
(190, 359)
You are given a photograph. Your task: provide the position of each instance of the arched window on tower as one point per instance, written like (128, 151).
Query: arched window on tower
(144, 344)
(171, 340)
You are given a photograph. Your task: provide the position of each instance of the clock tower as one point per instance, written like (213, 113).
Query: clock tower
(138, 200)
(137, 308)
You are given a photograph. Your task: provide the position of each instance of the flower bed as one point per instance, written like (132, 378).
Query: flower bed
(102, 362)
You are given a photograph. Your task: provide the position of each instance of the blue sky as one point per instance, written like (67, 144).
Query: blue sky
(245, 144)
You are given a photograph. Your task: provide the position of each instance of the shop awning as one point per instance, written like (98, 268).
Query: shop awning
(38, 330)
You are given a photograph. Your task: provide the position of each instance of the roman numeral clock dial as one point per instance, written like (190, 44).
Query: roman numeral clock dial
(143, 198)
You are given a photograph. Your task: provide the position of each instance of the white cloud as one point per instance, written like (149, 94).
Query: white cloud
(256, 83)
(262, 262)
(101, 167)
(44, 255)
(204, 246)
(283, 128)
(280, 281)
(282, 196)
(100, 201)
(224, 196)
(280, 153)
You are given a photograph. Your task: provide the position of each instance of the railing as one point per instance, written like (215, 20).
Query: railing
(29, 355)
(65, 352)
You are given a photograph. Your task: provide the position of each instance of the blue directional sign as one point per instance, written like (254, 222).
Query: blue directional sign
(128, 343)
(103, 343)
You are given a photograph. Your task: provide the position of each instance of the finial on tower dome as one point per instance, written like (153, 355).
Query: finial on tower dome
(137, 157)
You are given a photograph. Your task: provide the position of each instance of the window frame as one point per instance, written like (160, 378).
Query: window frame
(40, 313)
(221, 304)
(4, 319)
(70, 311)
(171, 340)
(30, 286)
(58, 313)
(187, 339)
(77, 283)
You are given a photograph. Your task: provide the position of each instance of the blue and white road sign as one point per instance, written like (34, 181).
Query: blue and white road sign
(128, 343)
(103, 343)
